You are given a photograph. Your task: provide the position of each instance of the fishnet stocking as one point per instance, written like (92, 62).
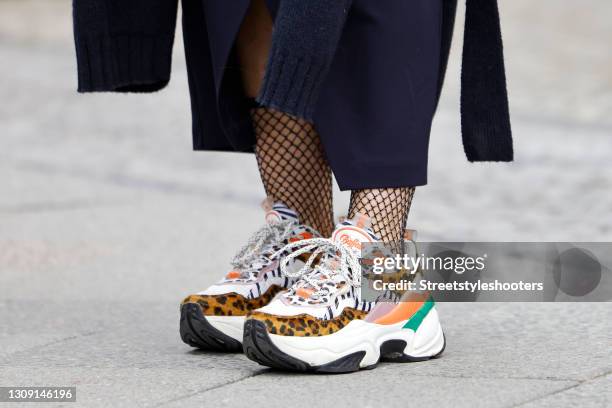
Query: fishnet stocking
(293, 166)
(387, 208)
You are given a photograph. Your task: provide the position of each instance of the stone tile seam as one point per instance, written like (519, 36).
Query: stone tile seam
(577, 384)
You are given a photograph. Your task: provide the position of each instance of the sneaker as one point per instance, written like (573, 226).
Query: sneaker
(214, 318)
(321, 325)
(325, 299)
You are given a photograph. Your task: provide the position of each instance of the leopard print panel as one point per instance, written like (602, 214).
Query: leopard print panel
(231, 304)
(305, 325)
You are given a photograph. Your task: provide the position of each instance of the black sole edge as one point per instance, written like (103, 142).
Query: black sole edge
(197, 332)
(258, 347)
(392, 351)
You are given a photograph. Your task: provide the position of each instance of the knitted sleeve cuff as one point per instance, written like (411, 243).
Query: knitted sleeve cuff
(292, 83)
(124, 63)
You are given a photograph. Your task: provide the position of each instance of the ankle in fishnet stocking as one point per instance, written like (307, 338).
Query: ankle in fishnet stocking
(293, 166)
(387, 208)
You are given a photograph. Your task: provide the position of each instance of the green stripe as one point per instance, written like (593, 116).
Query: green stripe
(416, 319)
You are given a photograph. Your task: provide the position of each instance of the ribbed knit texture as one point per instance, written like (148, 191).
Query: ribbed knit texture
(304, 42)
(485, 117)
(124, 46)
(130, 63)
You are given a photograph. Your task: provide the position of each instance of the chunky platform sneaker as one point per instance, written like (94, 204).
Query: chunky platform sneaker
(312, 327)
(214, 318)
(402, 332)
(325, 300)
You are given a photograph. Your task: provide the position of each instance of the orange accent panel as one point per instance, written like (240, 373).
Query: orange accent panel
(305, 293)
(232, 275)
(403, 311)
(303, 235)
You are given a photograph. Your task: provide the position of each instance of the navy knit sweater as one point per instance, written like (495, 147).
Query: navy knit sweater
(115, 52)
(300, 57)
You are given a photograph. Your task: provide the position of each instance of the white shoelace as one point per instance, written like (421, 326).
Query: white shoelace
(270, 234)
(347, 269)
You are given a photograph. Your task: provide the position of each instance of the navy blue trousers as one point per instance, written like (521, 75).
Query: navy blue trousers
(377, 104)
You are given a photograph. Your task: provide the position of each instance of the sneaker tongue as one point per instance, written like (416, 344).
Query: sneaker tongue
(355, 232)
(276, 212)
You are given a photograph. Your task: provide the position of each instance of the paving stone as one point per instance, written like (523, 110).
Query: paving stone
(108, 219)
(383, 387)
(596, 393)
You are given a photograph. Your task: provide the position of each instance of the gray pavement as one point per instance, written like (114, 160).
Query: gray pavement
(107, 219)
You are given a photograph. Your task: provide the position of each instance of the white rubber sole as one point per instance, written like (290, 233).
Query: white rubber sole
(232, 326)
(393, 341)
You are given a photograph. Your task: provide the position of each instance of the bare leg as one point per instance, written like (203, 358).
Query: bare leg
(289, 153)
(253, 46)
